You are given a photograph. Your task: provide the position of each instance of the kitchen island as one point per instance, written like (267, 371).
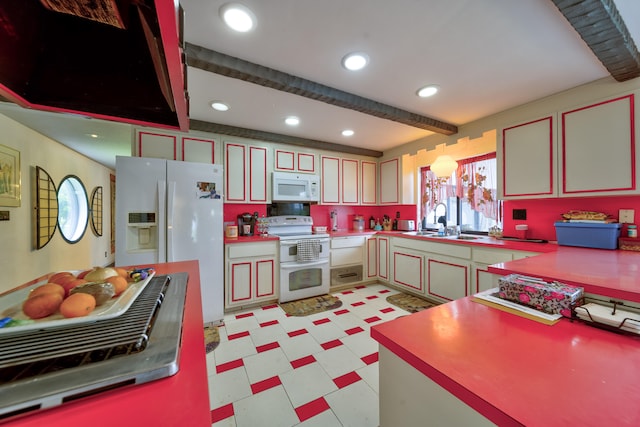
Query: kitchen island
(610, 273)
(463, 363)
(182, 399)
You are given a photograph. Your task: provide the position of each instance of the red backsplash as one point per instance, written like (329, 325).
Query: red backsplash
(542, 213)
(320, 213)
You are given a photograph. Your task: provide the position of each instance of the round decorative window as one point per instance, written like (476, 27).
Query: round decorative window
(73, 208)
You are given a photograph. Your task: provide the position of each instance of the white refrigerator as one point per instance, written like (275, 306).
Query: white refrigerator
(172, 211)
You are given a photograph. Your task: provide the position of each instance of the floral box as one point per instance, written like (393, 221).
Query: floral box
(550, 297)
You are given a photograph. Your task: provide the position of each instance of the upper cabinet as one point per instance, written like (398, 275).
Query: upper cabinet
(329, 180)
(587, 151)
(368, 183)
(528, 161)
(597, 149)
(291, 161)
(390, 182)
(350, 181)
(178, 146)
(246, 173)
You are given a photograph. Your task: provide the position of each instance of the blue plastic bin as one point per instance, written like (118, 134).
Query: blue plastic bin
(588, 235)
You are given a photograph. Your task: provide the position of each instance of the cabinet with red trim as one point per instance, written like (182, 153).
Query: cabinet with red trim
(390, 181)
(527, 160)
(597, 148)
(245, 173)
(251, 273)
(407, 262)
(293, 161)
(377, 258)
(176, 146)
(586, 150)
(340, 180)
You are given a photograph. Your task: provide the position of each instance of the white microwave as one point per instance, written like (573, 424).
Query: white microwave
(295, 187)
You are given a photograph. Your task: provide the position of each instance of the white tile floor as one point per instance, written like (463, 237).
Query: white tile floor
(320, 370)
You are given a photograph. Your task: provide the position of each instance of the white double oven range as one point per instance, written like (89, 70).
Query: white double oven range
(304, 257)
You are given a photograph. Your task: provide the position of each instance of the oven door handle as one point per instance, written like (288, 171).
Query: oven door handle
(295, 242)
(302, 264)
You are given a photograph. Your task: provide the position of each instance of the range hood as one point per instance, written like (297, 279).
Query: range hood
(130, 68)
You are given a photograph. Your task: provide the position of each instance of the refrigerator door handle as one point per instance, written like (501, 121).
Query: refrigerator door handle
(162, 238)
(171, 193)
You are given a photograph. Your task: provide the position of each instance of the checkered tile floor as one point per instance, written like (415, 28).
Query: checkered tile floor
(271, 369)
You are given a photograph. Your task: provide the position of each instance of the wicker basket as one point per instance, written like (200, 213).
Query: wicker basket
(629, 244)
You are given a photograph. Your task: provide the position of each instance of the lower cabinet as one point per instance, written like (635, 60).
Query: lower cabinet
(408, 269)
(251, 273)
(448, 278)
(482, 279)
(377, 257)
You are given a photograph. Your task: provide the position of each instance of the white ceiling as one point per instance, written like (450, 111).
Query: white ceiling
(486, 56)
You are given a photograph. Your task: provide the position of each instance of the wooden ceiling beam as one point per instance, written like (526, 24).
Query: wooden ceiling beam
(279, 138)
(603, 29)
(229, 66)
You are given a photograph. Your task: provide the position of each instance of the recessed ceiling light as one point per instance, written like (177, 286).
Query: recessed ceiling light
(355, 61)
(347, 132)
(219, 106)
(238, 17)
(93, 135)
(428, 91)
(292, 121)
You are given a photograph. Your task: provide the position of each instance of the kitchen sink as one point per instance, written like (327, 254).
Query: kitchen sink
(465, 237)
(435, 235)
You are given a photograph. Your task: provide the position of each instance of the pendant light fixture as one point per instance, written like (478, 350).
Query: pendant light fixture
(444, 166)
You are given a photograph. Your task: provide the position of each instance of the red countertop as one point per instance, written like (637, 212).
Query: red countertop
(182, 399)
(611, 273)
(481, 240)
(516, 371)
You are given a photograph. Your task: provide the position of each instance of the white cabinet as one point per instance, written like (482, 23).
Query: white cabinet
(588, 151)
(292, 161)
(369, 188)
(481, 278)
(390, 181)
(330, 180)
(527, 166)
(347, 250)
(377, 257)
(340, 180)
(246, 173)
(176, 147)
(449, 271)
(597, 149)
(157, 145)
(448, 277)
(371, 257)
(408, 269)
(251, 273)
(350, 180)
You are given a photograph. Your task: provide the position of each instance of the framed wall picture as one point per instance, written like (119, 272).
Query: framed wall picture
(9, 176)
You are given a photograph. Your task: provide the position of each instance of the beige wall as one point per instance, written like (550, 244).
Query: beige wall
(19, 262)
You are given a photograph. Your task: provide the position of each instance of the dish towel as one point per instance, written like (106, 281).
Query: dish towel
(308, 250)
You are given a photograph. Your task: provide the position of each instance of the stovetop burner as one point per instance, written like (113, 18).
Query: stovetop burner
(45, 368)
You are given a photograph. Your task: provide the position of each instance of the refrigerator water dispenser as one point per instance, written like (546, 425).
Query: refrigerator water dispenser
(142, 230)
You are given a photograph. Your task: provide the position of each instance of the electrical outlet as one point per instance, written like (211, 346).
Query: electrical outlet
(625, 216)
(519, 214)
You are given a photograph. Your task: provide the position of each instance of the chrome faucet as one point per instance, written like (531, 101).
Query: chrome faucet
(442, 219)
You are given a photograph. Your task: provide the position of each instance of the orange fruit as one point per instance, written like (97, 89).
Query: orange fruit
(46, 288)
(123, 272)
(77, 305)
(72, 284)
(54, 278)
(119, 283)
(42, 305)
